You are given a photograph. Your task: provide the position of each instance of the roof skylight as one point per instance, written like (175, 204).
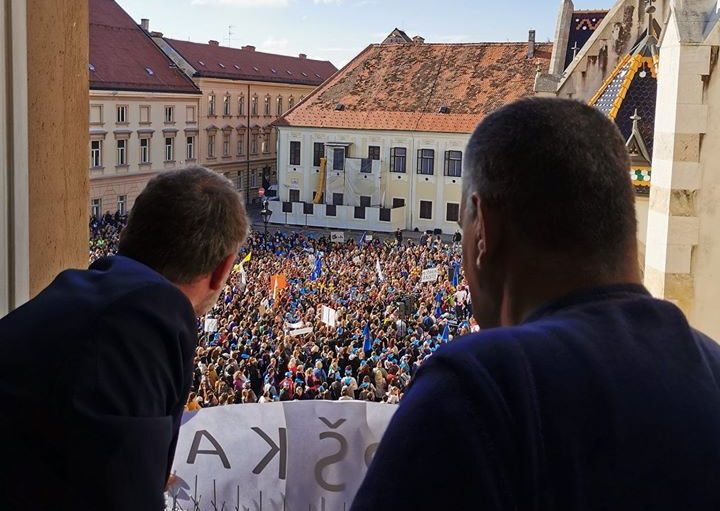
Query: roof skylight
(149, 71)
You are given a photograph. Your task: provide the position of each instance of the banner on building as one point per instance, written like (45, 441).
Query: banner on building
(337, 237)
(429, 275)
(276, 456)
(329, 316)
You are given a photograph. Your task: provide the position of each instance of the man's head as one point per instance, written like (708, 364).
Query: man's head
(188, 225)
(545, 187)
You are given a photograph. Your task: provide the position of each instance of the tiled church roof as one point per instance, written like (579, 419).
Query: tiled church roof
(405, 87)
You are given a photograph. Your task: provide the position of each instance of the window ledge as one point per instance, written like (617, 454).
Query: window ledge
(169, 123)
(97, 169)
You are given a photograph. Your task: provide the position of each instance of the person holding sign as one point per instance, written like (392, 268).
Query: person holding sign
(581, 391)
(115, 345)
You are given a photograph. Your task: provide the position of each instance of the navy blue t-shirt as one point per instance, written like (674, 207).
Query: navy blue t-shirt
(604, 400)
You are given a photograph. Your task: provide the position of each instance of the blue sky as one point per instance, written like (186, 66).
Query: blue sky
(337, 30)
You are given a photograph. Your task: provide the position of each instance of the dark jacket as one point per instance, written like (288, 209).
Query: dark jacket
(606, 399)
(94, 375)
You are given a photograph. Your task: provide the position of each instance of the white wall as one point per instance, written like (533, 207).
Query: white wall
(410, 186)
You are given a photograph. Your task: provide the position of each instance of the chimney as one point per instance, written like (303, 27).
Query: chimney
(531, 44)
(418, 40)
(248, 48)
(302, 56)
(213, 42)
(145, 24)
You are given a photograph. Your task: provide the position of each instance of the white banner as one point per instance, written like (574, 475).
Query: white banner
(211, 325)
(276, 456)
(337, 237)
(429, 275)
(329, 316)
(301, 331)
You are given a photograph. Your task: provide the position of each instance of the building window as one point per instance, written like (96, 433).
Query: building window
(452, 213)
(226, 144)
(254, 106)
(169, 148)
(338, 199)
(359, 213)
(294, 153)
(264, 144)
(330, 210)
(169, 114)
(398, 202)
(122, 204)
(144, 150)
(211, 104)
(318, 153)
(294, 195)
(122, 114)
(241, 145)
(190, 114)
(398, 156)
(267, 106)
(122, 152)
(339, 158)
(144, 114)
(211, 146)
(426, 209)
(291, 102)
(279, 106)
(96, 153)
(426, 162)
(96, 114)
(365, 201)
(190, 148)
(226, 105)
(96, 208)
(253, 143)
(374, 152)
(453, 163)
(253, 179)
(241, 106)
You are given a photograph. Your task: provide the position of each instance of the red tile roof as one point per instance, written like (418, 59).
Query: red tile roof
(124, 57)
(403, 87)
(215, 61)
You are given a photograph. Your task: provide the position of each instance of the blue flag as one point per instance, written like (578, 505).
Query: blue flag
(317, 271)
(367, 345)
(446, 333)
(361, 241)
(456, 274)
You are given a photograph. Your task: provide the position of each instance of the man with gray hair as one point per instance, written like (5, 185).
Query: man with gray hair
(96, 369)
(581, 391)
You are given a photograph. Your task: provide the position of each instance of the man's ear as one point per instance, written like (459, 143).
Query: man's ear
(490, 230)
(220, 274)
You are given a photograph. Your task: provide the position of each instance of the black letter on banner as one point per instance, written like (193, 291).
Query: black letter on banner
(274, 449)
(195, 449)
(370, 452)
(331, 460)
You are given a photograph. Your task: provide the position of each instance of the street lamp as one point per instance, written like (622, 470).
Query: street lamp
(265, 213)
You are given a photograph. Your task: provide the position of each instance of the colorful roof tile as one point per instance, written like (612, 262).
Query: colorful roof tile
(405, 87)
(216, 61)
(124, 57)
(582, 26)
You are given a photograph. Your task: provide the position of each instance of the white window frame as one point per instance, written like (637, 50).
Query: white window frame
(211, 105)
(122, 204)
(96, 205)
(190, 147)
(226, 144)
(144, 150)
(121, 156)
(211, 146)
(96, 160)
(170, 149)
(227, 99)
(121, 114)
(169, 119)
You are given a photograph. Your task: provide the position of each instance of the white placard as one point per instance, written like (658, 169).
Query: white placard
(276, 456)
(211, 325)
(368, 237)
(301, 331)
(329, 316)
(337, 237)
(429, 275)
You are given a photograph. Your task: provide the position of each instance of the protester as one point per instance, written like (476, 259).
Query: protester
(115, 345)
(253, 348)
(592, 395)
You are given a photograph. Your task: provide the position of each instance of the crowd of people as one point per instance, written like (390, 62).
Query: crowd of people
(267, 340)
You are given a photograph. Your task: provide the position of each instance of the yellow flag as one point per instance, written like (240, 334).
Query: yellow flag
(247, 258)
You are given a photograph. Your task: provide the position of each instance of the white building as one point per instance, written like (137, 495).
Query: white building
(393, 126)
